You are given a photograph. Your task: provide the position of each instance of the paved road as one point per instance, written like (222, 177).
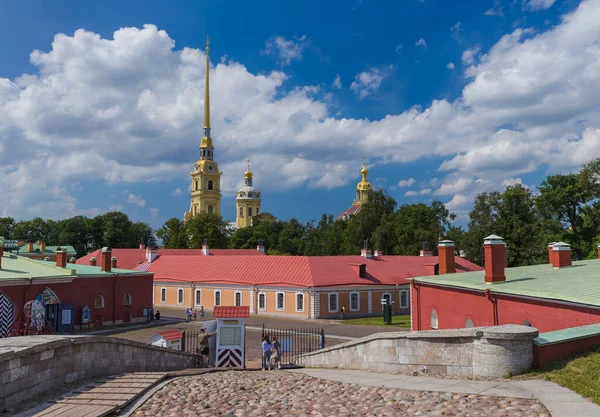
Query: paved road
(560, 401)
(331, 327)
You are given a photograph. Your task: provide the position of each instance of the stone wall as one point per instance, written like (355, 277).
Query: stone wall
(485, 352)
(32, 365)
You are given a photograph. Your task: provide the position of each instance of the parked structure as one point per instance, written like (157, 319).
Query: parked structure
(300, 286)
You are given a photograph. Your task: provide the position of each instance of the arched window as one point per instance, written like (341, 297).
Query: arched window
(180, 296)
(217, 298)
(434, 319)
(195, 209)
(468, 323)
(99, 302)
(127, 299)
(196, 185)
(163, 295)
(238, 298)
(210, 209)
(241, 211)
(203, 153)
(198, 297)
(249, 211)
(210, 185)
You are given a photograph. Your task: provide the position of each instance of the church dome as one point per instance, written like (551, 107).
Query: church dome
(248, 173)
(364, 184)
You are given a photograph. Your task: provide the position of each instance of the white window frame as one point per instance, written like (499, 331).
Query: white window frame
(337, 302)
(196, 297)
(467, 320)
(163, 300)
(220, 298)
(434, 324)
(235, 298)
(388, 294)
(358, 299)
(277, 301)
(299, 310)
(265, 306)
(130, 299)
(407, 299)
(182, 296)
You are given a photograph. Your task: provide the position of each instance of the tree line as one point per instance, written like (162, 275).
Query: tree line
(563, 208)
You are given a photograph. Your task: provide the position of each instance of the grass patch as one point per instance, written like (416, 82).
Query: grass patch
(397, 321)
(579, 374)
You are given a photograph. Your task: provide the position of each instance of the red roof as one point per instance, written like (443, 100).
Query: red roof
(350, 211)
(170, 334)
(239, 312)
(298, 271)
(131, 258)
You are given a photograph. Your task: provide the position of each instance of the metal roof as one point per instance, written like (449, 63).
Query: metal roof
(579, 283)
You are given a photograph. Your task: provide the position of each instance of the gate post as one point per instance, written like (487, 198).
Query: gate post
(322, 338)
(183, 341)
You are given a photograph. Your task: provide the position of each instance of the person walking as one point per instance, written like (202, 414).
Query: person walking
(343, 313)
(202, 313)
(276, 353)
(195, 315)
(157, 315)
(203, 345)
(266, 348)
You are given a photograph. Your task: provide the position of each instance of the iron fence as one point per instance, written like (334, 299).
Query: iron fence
(295, 342)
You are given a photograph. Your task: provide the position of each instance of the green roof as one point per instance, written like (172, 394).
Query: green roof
(579, 283)
(50, 250)
(566, 335)
(21, 268)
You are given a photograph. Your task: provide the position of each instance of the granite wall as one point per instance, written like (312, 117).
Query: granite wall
(32, 365)
(482, 352)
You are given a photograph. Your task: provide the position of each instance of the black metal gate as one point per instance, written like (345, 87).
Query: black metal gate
(295, 342)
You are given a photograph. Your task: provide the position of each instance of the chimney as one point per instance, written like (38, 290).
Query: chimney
(560, 257)
(105, 263)
(1, 250)
(113, 262)
(446, 257)
(260, 247)
(151, 254)
(550, 251)
(43, 246)
(495, 259)
(61, 258)
(425, 249)
(29, 246)
(142, 246)
(599, 250)
(205, 247)
(365, 252)
(92, 261)
(72, 260)
(378, 252)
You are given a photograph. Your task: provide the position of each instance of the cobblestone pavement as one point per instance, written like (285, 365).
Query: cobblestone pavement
(278, 393)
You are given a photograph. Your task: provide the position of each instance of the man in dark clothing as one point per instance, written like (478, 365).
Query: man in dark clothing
(157, 315)
(203, 344)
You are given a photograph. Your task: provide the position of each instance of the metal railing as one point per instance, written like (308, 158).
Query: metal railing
(295, 342)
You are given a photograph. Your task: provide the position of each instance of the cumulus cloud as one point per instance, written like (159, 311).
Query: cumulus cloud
(136, 200)
(425, 191)
(287, 50)
(367, 82)
(468, 56)
(450, 65)
(337, 83)
(154, 212)
(535, 5)
(421, 42)
(406, 183)
(177, 192)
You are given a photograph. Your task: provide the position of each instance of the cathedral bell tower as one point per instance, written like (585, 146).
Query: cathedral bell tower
(247, 201)
(206, 178)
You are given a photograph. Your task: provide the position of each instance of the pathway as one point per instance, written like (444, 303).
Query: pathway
(560, 401)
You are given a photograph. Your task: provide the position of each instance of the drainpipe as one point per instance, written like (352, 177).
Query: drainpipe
(418, 293)
(494, 302)
(193, 297)
(255, 297)
(398, 298)
(115, 299)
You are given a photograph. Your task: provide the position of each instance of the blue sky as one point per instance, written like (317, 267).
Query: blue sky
(445, 99)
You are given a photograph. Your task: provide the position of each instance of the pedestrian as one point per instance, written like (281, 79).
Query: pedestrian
(266, 348)
(276, 353)
(157, 315)
(202, 313)
(195, 315)
(343, 313)
(188, 315)
(203, 345)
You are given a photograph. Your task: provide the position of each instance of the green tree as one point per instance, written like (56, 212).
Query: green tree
(589, 177)
(482, 220)
(74, 232)
(207, 226)
(7, 227)
(117, 230)
(32, 230)
(415, 224)
(173, 234)
(143, 234)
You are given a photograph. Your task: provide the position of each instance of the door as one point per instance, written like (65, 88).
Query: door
(7, 314)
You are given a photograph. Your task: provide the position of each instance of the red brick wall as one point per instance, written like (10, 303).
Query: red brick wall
(454, 306)
(548, 353)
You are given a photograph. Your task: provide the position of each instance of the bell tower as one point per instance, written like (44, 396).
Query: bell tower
(206, 177)
(247, 201)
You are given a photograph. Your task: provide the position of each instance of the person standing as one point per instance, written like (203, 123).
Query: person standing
(266, 349)
(343, 313)
(195, 315)
(203, 345)
(202, 313)
(276, 353)
(157, 315)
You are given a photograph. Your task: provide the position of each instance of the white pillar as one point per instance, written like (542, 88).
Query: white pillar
(251, 301)
(370, 303)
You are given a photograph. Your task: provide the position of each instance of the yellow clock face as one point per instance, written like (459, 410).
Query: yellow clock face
(210, 167)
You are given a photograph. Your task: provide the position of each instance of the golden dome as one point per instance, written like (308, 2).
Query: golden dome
(364, 184)
(248, 173)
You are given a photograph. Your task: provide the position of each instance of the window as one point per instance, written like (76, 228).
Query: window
(180, 296)
(280, 301)
(163, 295)
(203, 153)
(404, 299)
(434, 319)
(238, 298)
(249, 195)
(362, 271)
(198, 297)
(354, 301)
(241, 211)
(210, 185)
(299, 301)
(196, 184)
(249, 211)
(468, 324)
(99, 302)
(387, 297)
(217, 298)
(257, 210)
(195, 209)
(262, 301)
(127, 299)
(210, 209)
(333, 302)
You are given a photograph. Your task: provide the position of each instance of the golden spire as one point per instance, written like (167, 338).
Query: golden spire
(206, 91)
(248, 173)
(364, 171)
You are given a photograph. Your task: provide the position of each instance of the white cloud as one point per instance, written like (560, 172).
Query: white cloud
(450, 65)
(456, 30)
(406, 183)
(468, 56)
(367, 82)
(286, 50)
(497, 10)
(512, 181)
(337, 83)
(136, 200)
(116, 207)
(154, 212)
(177, 192)
(421, 42)
(398, 48)
(535, 5)
(425, 191)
